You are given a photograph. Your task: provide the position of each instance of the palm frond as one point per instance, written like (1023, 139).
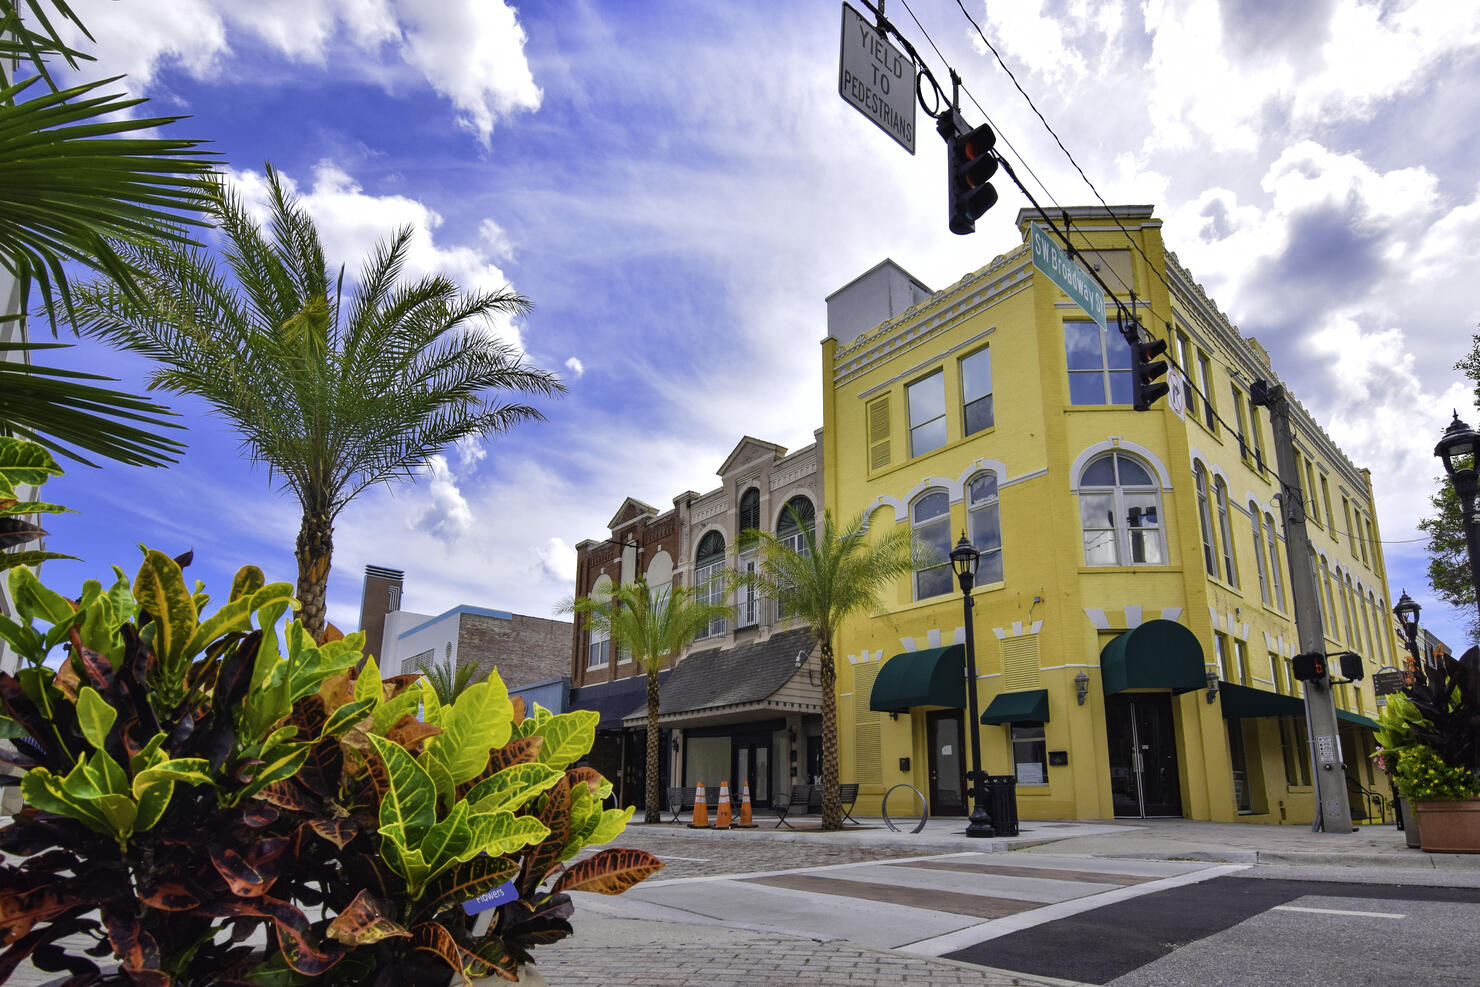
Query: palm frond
(651, 624)
(56, 409)
(19, 43)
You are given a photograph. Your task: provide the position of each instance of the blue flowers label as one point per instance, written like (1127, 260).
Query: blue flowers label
(492, 899)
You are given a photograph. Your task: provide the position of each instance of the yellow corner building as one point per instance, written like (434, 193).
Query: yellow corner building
(1133, 615)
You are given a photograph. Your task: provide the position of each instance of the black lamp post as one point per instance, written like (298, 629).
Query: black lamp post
(965, 558)
(1407, 612)
(1457, 451)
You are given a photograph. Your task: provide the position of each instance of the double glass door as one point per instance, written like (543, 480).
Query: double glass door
(1143, 755)
(753, 766)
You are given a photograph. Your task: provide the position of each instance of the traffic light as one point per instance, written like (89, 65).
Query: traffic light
(1351, 666)
(1145, 369)
(1308, 667)
(970, 162)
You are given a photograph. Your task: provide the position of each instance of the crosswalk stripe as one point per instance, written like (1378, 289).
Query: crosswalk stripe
(1336, 911)
(1042, 873)
(950, 902)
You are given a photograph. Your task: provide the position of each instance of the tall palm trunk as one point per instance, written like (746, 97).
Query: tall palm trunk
(313, 551)
(832, 803)
(651, 812)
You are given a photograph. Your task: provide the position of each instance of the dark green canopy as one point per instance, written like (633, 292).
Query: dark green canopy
(1030, 706)
(1358, 719)
(933, 677)
(1241, 702)
(1160, 654)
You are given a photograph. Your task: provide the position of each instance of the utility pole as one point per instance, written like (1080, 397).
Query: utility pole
(1333, 811)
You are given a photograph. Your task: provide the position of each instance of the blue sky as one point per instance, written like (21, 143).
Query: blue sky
(678, 186)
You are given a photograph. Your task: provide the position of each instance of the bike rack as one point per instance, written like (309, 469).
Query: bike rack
(924, 808)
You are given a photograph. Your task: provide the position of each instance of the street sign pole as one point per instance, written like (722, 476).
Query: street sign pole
(1333, 811)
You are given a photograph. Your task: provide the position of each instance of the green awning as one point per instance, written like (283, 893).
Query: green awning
(1018, 707)
(1241, 702)
(1358, 719)
(1160, 654)
(933, 677)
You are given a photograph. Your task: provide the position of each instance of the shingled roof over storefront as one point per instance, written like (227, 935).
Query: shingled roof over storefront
(739, 676)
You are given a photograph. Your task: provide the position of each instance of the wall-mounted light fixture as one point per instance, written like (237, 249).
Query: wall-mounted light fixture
(1081, 687)
(1212, 685)
(791, 734)
(675, 745)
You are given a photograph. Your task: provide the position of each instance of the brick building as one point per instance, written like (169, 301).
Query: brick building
(742, 703)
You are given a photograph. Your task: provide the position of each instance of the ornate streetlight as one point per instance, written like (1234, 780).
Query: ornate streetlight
(1407, 613)
(1457, 451)
(965, 558)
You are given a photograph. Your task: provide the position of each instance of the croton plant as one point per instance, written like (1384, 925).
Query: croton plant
(190, 778)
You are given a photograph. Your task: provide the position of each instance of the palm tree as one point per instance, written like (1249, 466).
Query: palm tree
(829, 578)
(652, 625)
(74, 182)
(448, 681)
(334, 394)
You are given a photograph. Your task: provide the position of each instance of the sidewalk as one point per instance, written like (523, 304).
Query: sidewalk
(1149, 839)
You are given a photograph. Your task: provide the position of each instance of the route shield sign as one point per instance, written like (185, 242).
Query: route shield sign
(1052, 260)
(877, 78)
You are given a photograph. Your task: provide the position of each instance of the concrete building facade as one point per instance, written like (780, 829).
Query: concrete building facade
(1133, 611)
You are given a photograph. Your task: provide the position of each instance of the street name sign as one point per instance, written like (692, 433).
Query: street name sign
(1051, 259)
(877, 78)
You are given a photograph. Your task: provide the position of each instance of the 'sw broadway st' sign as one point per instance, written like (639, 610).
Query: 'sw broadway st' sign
(1051, 259)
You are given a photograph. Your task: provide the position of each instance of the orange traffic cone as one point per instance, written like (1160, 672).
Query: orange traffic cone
(701, 809)
(745, 822)
(722, 816)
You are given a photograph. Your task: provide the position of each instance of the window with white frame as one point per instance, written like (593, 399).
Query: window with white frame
(794, 528)
(1099, 363)
(1259, 552)
(1120, 513)
(1276, 587)
(930, 523)
(926, 399)
(984, 520)
(1029, 753)
(747, 613)
(976, 392)
(709, 580)
(1205, 519)
(1225, 530)
(598, 640)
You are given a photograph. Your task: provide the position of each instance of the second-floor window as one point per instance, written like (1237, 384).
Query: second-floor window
(976, 392)
(930, 522)
(984, 518)
(709, 577)
(1205, 520)
(1120, 512)
(1099, 364)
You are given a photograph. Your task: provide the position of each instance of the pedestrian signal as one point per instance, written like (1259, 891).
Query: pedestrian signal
(1309, 667)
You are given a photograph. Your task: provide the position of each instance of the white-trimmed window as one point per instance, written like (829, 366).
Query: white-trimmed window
(1120, 513)
(1205, 519)
(984, 520)
(1225, 530)
(1259, 552)
(1029, 753)
(976, 392)
(930, 523)
(598, 640)
(793, 528)
(926, 399)
(1276, 586)
(747, 612)
(709, 578)
(1099, 364)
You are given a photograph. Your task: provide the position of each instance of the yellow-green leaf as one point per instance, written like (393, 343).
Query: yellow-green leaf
(498, 833)
(34, 599)
(479, 720)
(247, 581)
(568, 737)
(186, 770)
(513, 787)
(235, 616)
(160, 589)
(613, 822)
(121, 813)
(45, 791)
(410, 798)
(95, 717)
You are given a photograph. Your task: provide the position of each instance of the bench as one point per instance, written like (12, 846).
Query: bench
(681, 799)
(807, 796)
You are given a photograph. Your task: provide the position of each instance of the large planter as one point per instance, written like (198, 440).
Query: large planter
(1410, 822)
(1449, 825)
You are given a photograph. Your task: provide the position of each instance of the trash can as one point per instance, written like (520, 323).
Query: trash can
(1002, 804)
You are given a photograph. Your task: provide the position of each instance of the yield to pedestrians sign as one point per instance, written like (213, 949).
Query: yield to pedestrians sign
(1051, 259)
(877, 78)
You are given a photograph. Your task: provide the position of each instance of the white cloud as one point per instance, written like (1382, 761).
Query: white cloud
(575, 366)
(351, 222)
(560, 561)
(448, 515)
(469, 51)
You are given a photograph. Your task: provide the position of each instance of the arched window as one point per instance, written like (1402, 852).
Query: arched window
(795, 524)
(930, 522)
(709, 582)
(750, 511)
(1384, 641)
(1120, 513)
(1205, 520)
(1366, 624)
(984, 521)
(1276, 585)
(747, 613)
(1225, 531)
(598, 643)
(1259, 552)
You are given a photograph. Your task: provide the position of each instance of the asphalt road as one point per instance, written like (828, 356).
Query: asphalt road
(1241, 930)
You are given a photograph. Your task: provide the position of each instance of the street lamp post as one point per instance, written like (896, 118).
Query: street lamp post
(1457, 451)
(1407, 613)
(965, 558)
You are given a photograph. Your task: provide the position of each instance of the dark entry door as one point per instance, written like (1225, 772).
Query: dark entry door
(753, 767)
(1143, 755)
(947, 762)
